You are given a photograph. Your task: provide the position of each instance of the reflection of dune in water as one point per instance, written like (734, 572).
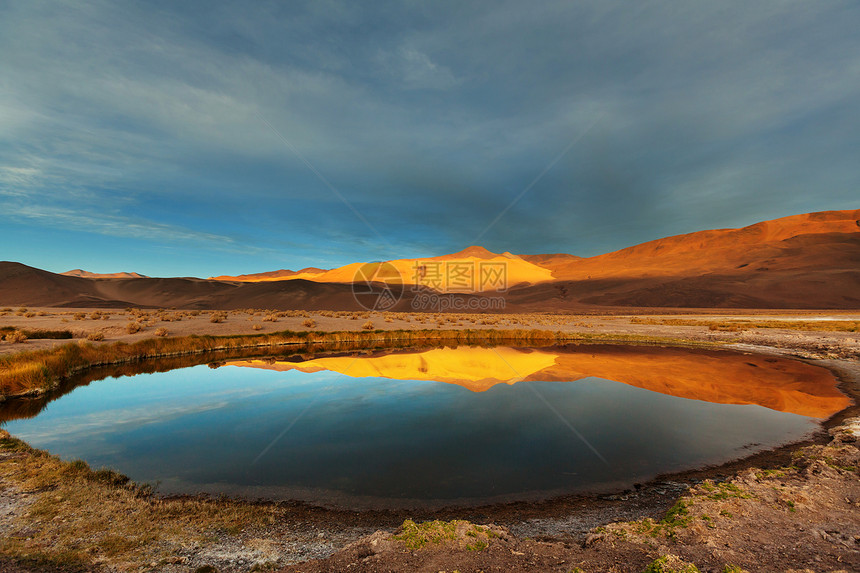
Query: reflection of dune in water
(720, 377)
(474, 368)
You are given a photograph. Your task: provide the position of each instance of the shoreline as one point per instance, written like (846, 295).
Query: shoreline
(319, 532)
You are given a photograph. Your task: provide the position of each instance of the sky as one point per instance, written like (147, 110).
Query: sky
(208, 138)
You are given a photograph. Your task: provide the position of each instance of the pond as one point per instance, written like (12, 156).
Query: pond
(455, 425)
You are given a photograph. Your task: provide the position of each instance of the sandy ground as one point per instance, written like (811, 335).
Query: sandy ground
(562, 534)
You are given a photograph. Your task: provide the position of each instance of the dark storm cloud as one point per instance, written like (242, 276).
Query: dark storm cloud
(224, 127)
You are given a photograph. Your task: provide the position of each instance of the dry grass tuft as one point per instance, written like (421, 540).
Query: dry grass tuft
(732, 325)
(16, 336)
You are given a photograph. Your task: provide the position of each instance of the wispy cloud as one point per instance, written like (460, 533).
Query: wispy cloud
(113, 226)
(427, 120)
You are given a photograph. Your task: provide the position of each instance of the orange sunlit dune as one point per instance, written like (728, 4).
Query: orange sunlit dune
(719, 377)
(769, 244)
(437, 272)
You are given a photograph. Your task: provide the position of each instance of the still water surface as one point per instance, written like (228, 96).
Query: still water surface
(447, 425)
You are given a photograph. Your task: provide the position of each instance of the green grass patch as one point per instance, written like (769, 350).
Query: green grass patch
(724, 490)
(678, 515)
(417, 535)
(666, 564)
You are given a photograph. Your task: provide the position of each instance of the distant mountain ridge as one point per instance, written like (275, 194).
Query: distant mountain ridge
(89, 275)
(802, 261)
(270, 275)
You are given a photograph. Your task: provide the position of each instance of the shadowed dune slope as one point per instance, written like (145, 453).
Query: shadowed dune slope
(26, 286)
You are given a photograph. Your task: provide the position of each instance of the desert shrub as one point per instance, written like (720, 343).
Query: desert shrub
(725, 327)
(133, 327)
(161, 332)
(309, 323)
(80, 315)
(271, 318)
(16, 336)
(96, 336)
(49, 334)
(367, 325)
(257, 327)
(109, 477)
(217, 317)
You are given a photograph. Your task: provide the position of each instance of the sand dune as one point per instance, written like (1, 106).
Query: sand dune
(827, 240)
(807, 261)
(465, 270)
(27, 286)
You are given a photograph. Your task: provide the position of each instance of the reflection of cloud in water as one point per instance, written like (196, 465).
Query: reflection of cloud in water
(147, 409)
(89, 426)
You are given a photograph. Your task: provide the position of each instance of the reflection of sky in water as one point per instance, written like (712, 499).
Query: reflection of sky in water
(195, 427)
